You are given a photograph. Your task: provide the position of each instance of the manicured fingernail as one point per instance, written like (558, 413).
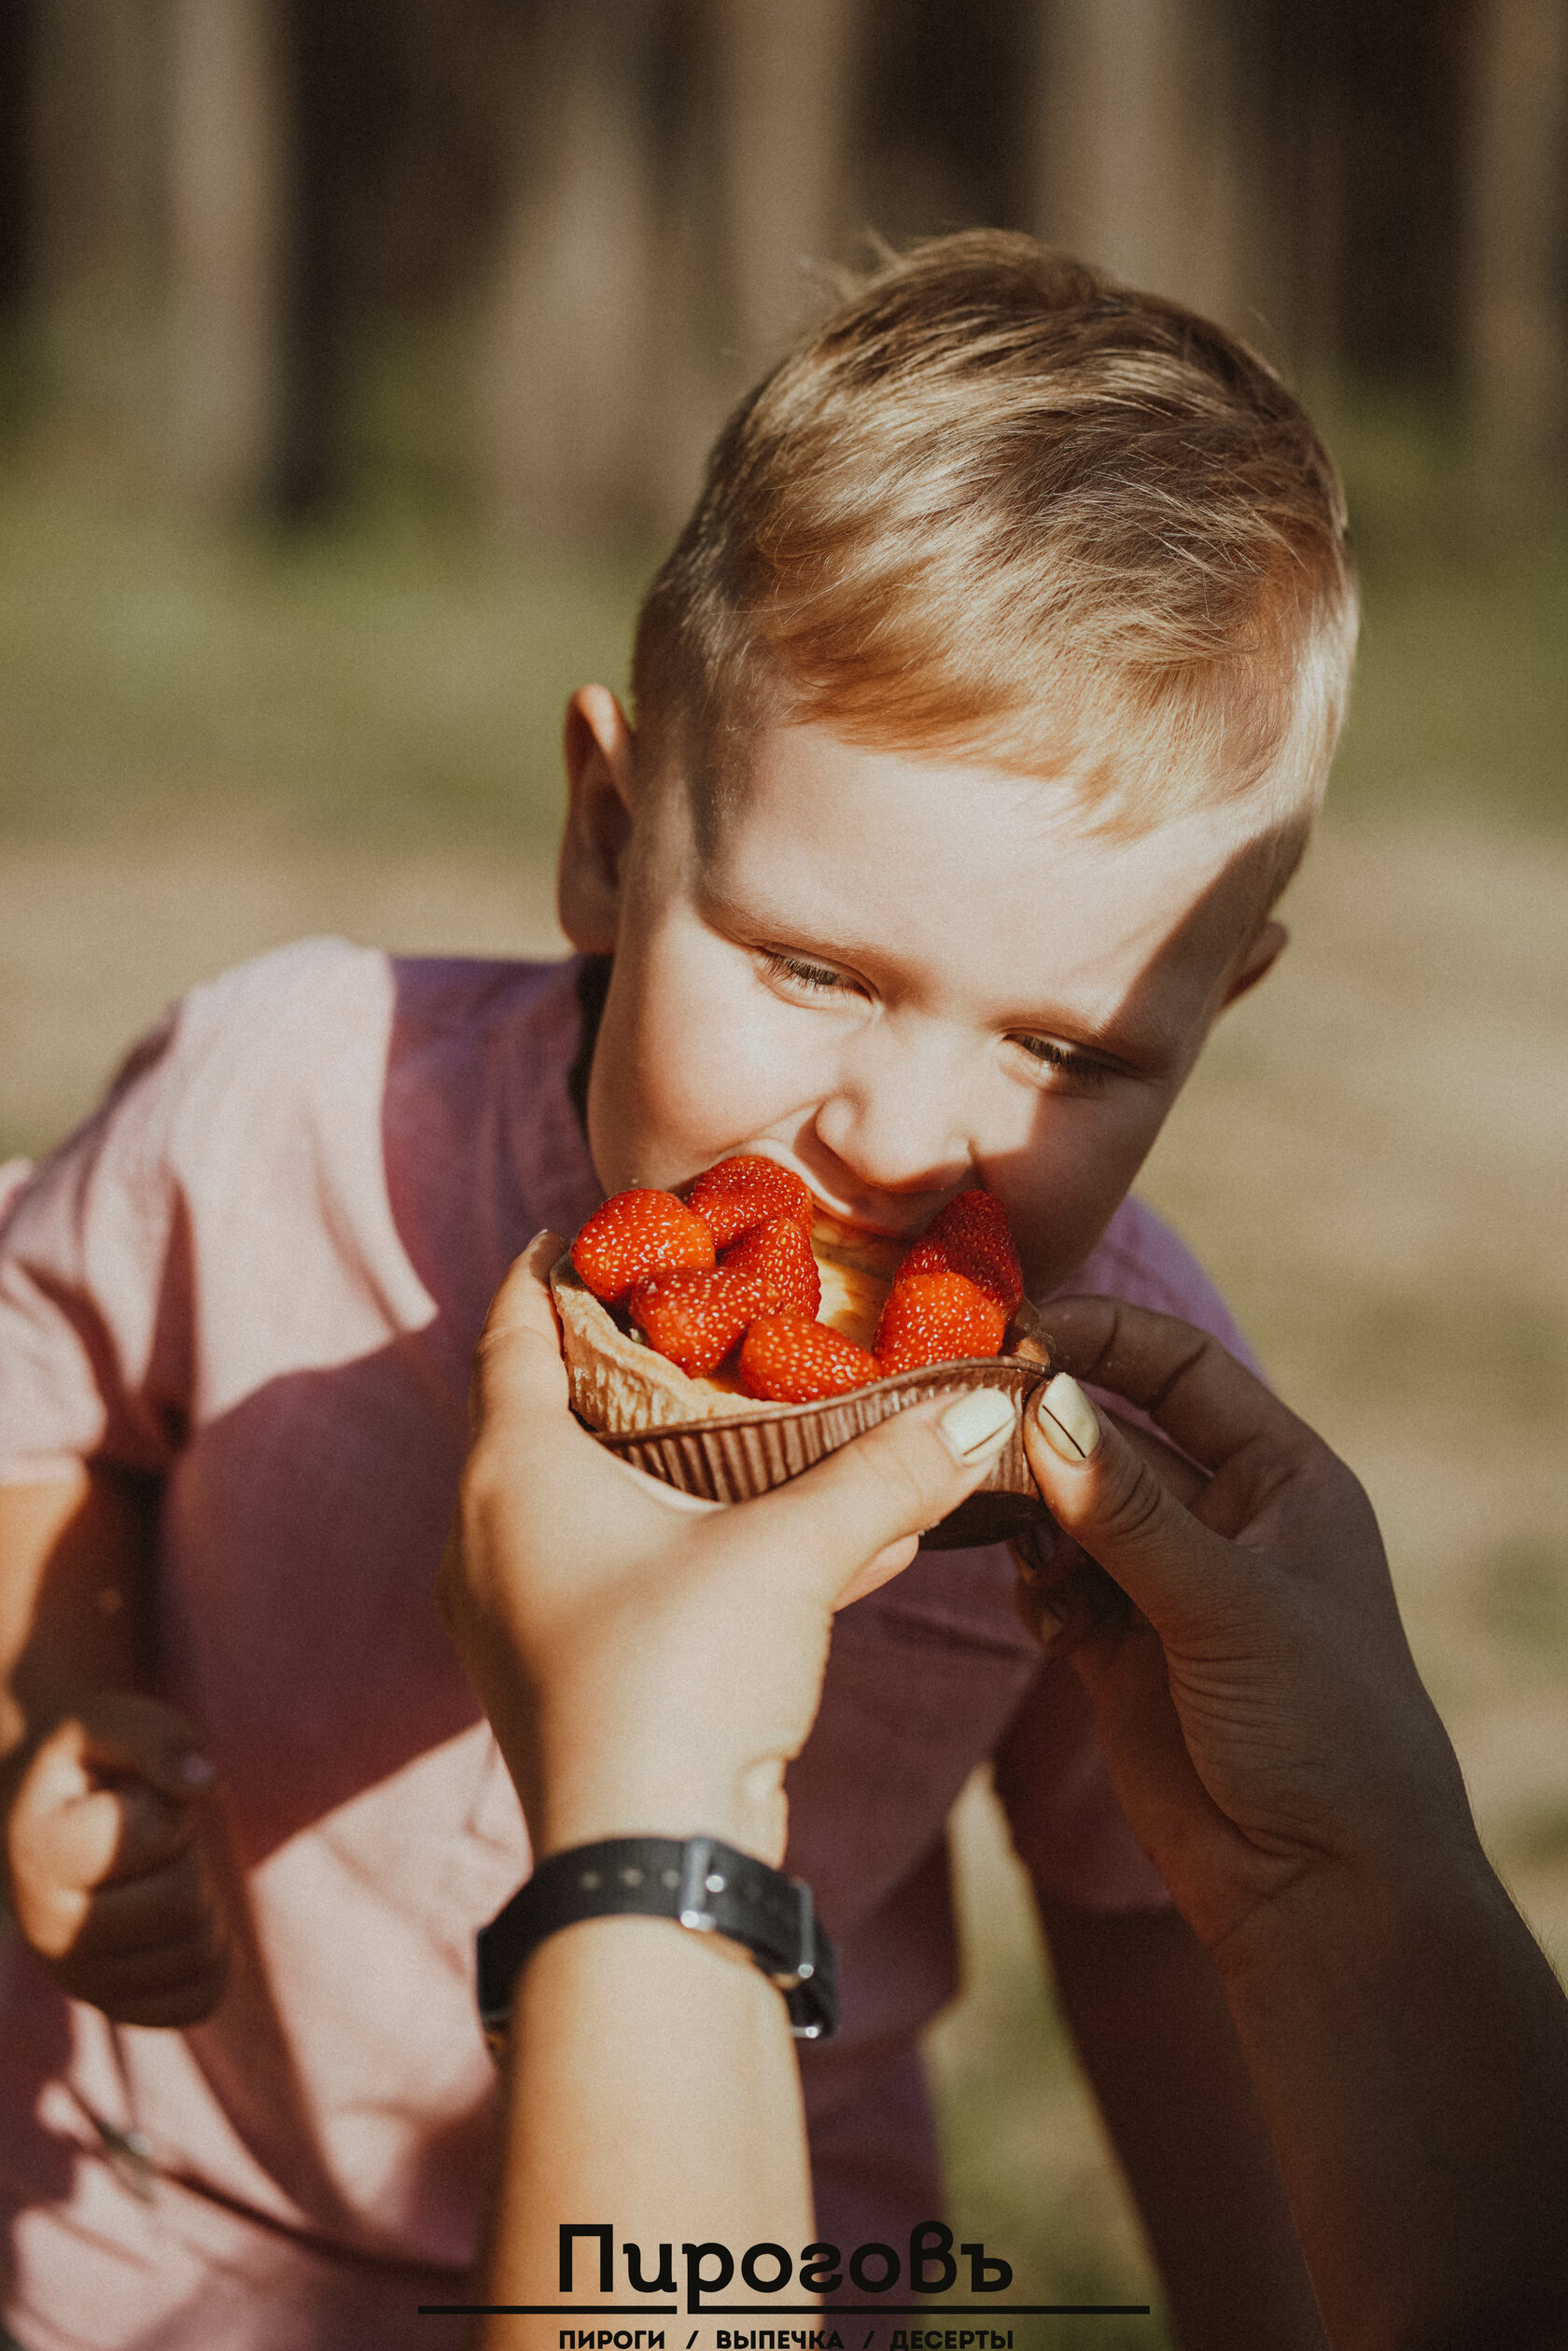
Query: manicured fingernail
(980, 1422)
(195, 1770)
(1067, 1420)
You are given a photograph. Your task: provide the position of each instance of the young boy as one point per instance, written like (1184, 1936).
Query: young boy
(981, 714)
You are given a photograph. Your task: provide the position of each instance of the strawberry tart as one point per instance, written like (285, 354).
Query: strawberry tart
(741, 1300)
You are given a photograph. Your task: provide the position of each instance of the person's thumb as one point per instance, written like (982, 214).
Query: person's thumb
(854, 1519)
(1106, 1494)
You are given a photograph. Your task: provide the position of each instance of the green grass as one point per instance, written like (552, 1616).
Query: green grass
(380, 680)
(1462, 686)
(1461, 689)
(1522, 1601)
(1396, 1344)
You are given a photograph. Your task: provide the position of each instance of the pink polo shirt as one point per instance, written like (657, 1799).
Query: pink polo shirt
(260, 1271)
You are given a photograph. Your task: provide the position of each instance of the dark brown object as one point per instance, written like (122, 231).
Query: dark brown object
(736, 1460)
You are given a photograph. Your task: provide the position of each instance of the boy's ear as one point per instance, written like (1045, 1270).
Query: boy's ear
(1265, 952)
(600, 748)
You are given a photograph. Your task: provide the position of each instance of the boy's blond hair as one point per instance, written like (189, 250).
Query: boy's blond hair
(998, 506)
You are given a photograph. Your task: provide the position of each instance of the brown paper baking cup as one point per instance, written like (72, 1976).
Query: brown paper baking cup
(736, 1459)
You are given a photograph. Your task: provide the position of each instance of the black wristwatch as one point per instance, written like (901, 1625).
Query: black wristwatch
(701, 1885)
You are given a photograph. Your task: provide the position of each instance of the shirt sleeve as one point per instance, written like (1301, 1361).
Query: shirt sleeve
(1067, 1827)
(94, 1289)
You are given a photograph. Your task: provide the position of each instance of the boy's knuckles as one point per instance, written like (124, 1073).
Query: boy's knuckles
(171, 1999)
(63, 1849)
(142, 1914)
(51, 1922)
(181, 1960)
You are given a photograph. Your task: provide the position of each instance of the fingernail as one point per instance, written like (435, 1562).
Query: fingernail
(195, 1770)
(978, 1423)
(1067, 1420)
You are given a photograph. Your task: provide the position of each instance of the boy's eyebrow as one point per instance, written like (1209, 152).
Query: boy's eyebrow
(1136, 1037)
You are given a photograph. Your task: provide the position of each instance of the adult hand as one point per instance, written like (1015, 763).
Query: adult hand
(108, 1878)
(1274, 1750)
(1258, 1703)
(649, 1662)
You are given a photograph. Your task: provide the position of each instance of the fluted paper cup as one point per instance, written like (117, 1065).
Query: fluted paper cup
(724, 1447)
(734, 1459)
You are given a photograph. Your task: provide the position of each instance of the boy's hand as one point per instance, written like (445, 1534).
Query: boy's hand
(1258, 1706)
(105, 1862)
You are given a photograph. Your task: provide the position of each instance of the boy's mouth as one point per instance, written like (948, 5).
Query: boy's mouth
(889, 1216)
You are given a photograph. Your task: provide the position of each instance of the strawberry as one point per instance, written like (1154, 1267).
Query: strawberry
(787, 1360)
(971, 1238)
(936, 1318)
(750, 1190)
(691, 1316)
(776, 1263)
(636, 1234)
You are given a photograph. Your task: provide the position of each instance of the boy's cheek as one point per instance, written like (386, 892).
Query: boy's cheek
(1062, 1192)
(677, 1085)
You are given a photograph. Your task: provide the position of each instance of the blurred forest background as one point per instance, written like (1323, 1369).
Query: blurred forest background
(356, 362)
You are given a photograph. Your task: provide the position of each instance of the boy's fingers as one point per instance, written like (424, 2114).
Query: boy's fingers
(179, 1984)
(1113, 1502)
(191, 2001)
(124, 1733)
(1064, 1597)
(895, 1481)
(113, 1796)
(1181, 1377)
(148, 1966)
(109, 1834)
(173, 1904)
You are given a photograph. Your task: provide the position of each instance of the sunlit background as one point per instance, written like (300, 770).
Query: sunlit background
(357, 357)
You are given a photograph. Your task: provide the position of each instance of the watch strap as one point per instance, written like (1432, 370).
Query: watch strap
(697, 1883)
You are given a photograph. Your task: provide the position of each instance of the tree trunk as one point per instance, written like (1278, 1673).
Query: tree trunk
(228, 230)
(784, 104)
(1519, 194)
(1138, 165)
(567, 337)
(85, 247)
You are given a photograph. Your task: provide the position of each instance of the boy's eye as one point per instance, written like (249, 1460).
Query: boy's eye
(1067, 1058)
(803, 977)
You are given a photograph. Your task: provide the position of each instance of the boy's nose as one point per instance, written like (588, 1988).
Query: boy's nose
(895, 1119)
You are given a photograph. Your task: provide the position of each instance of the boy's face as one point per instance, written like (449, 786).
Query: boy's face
(899, 977)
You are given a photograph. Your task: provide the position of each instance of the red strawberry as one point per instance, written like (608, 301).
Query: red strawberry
(693, 1317)
(936, 1318)
(776, 1264)
(971, 1238)
(787, 1360)
(750, 1190)
(636, 1234)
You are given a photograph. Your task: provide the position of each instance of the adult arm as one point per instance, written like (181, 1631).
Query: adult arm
(1271, 1744)
(650, 1666)
(1148, 2016)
